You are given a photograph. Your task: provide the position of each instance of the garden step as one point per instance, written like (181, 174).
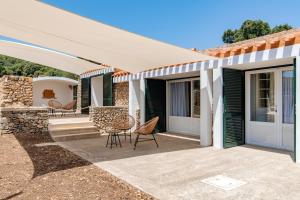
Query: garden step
(75, 136)
(73, 130)
(70, 125)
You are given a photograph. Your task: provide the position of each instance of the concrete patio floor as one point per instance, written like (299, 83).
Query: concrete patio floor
(176, 169)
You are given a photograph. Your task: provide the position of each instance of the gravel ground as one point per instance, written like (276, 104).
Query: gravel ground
(51, 172)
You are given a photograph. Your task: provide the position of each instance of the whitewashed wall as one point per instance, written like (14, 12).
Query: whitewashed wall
(97, 91)
(63, 93)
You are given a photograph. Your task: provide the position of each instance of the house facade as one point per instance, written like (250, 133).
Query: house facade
(247, 95)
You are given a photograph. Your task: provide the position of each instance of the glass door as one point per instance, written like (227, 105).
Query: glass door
(287, 116)
(261, 109)
(270, 108)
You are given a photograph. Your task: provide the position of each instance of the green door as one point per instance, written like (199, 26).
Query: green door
(85, 95)
(234, 108)
(155, 102)
(107, 89)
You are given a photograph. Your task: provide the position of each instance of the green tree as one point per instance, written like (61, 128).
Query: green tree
(282, 27)
(14, 66)
(252, 29)
(229, 36)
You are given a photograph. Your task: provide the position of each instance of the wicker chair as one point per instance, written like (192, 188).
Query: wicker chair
(112, 128)
(69, 107)
(125, 123)
(54, 106)
(145, 130)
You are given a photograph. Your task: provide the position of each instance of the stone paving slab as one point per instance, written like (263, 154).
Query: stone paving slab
(176, 169)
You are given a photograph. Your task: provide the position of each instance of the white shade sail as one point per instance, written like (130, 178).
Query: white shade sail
(41, 24)
(45, 57)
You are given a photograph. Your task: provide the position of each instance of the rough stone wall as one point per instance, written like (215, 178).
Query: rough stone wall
(15, 91)
(79, 96)
(103, 116)
(121, 94)
(138, 118)
(23, 120)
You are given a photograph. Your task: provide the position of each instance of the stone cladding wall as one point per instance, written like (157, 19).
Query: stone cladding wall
(23, 120)
(121, 94)
(16, 91)
(104, 116)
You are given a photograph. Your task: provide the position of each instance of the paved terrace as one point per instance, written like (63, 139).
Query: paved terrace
(176, 169)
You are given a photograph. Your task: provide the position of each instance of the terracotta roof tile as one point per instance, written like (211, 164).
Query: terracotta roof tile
(284, 38)
(102, 66)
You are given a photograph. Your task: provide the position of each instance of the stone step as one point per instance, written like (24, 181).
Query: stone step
(71, 125)
(75, 136)
(73, 130)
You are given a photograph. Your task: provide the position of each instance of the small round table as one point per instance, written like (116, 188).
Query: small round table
(113, 136)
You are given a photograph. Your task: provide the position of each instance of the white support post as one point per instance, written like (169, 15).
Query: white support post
(297, 89)
(142, 100)
(97, 91)
(206, 85)
(218, 108)
(134, 97)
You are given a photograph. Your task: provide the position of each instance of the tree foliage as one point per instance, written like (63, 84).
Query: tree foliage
(14, 66)
(282, 27)
(252, 29)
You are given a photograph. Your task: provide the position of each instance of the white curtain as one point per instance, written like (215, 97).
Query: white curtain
(287, 97)
(180, 99)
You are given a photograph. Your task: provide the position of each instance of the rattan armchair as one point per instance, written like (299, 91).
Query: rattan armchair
(54, 106)
(125, 123)
(69, 107)
(146, 129)
(112, 129)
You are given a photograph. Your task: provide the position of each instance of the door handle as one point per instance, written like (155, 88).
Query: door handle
(275, 108)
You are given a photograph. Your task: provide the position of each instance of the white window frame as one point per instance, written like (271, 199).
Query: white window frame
(191, 97)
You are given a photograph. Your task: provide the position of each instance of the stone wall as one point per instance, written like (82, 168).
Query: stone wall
(79, 96)
(23, 120)
(103, 116)
(121, 94)
(137, 118)
(15, 91)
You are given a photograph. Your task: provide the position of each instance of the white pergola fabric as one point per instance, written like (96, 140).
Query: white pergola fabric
(45, 57)
(41, 24)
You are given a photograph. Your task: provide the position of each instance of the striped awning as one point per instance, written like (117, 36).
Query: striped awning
(241, 61)
(97, 72)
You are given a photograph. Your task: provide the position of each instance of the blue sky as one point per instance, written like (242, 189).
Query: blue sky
(186, 23)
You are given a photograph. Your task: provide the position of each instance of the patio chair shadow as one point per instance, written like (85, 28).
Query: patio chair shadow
(50, 158)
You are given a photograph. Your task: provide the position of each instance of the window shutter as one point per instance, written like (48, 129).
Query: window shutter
(107, 89)
(234, 108)
(85, 95)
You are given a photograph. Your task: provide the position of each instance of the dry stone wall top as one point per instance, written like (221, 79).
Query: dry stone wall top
(104, 116)
(16, 91)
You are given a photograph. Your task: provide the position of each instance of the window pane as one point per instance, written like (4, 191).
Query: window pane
(180, 99)
(196, 98)
(262, 97)
(287, 97)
